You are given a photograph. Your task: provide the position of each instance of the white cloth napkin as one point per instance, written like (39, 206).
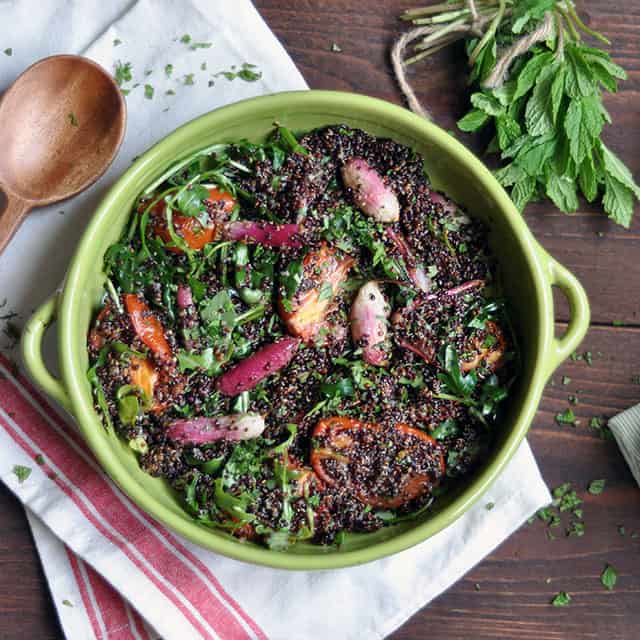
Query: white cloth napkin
(170, 587)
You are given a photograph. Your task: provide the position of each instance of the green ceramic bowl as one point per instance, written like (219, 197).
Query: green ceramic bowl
(529, 275)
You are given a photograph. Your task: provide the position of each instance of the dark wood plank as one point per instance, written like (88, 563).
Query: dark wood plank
(514, 595)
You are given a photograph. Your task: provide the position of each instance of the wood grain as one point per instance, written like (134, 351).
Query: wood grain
(513, 596)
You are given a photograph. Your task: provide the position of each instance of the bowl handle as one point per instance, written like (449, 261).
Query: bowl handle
(559, 276)
(31, 345)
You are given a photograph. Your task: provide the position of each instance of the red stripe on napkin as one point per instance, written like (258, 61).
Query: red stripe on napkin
(84, 593)
(192, 589)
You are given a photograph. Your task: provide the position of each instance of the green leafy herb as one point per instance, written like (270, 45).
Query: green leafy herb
(168, 70)
(489, 506)
(596, 487)
(200, 45)
(246, 72)
(541, 99)
(73, 121)
(22, 473)
(185, 39)
(336, 48)
(188, 79)
(566, 417)
(609, 577)
(566, 380)
(8, 51)
(67, 603)
(562, 599)
(123, 72)
(148, 91)
(576, 529)
(116, 42)
(39, 459)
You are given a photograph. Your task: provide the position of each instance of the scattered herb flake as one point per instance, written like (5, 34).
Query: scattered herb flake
(588, 358)
(116, 42)
(73, 121)
(186, 38)
(169, 92)
(67, 603)
(562, 599)
(596, 487)
(575, 529)
(21, 472)
(566, 417)
(200, 45)
(566, 380)
(609, 577)
(168, 70)
(203, 66)
(336, 48)
(8, 51)
(123, 72)
(476, 586)
(148, 91)
(618, 323)
(188, 79)
(39, 459)
(621, 530)
(489, 506)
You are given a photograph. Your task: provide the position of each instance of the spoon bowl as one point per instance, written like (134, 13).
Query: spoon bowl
(61, 124)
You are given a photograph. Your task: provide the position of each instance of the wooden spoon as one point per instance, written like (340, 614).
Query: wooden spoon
(61, 125)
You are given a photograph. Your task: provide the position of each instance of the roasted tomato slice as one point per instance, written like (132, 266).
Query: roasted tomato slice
(96, 337)
(190, 229)
(322, 274)
(384, 468)
(147, 326)
(488, 350)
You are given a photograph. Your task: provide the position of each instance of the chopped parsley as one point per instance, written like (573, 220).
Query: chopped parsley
(168, 70)
(245, 73)
(186, 38)
(73, 121)
(148, 91)
(562, 599)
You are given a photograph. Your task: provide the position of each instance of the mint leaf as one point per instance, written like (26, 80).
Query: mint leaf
(583, 124)
(487, 103)
(587, 179)
(530, 73)
(579, 80)
(507, 130)
(537, 113)
(562, 599)
(562, 191)
(22, 473)
(536, 152)
(618, 201)
(617, 169)
(510, 174)
(473, 120)
(609, 577)
(557, 93)
(523, 191)
(596, 487)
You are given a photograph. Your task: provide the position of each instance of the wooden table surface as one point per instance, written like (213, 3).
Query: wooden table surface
(507, 595)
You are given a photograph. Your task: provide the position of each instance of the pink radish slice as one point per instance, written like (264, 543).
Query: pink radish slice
(270, 235)
(241, 426)
(371, 194)
(184, 297)
(414, 268)
(249, 372)
(369, 313)
(465, 286)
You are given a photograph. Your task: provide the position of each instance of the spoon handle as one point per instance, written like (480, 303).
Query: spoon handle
(14, 212)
